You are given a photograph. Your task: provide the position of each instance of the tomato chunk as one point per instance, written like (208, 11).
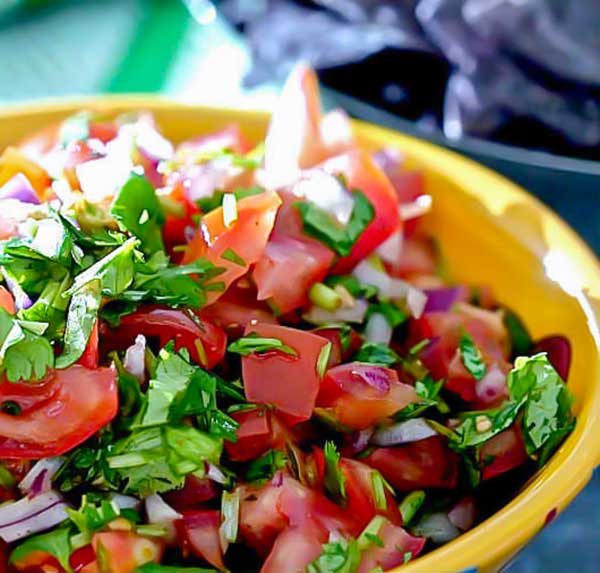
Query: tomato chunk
(195, 491)
(422, 464)
(68, 417)
(200, 535)
(502, 453)
(7, 302)
(295, 549)
(289, 383)
(244, 240)
(123, 551)
(358, 395)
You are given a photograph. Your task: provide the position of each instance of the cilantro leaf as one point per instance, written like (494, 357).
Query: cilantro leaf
(265, 467)
(392, 312)
(352, 285)
(335, 481)
(322, 226)
(471, 357)
(428, 392)
(377, 353)
(253, 342)
(137, 209)
(50, 307)
(518, 333)
(216, 200)
(341, 556)
(91, 517)
(56, 542)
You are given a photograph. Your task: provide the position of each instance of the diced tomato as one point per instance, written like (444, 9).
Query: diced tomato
(199, 531)
(123, 551)
(253, 435)
(104, 131)
(82, 557)
(417, 257)
(13, 161)
(422, 464)
(205, 341)
(195, 491)
(52, 426)
(361, 503)
(90, 355)
(340, 352)
(398, 546)
(358, 395)
(7, 302)
(289, 383)
(502, 453)
(361, 173)
(295, 549)
(34, 562)
(245, 238)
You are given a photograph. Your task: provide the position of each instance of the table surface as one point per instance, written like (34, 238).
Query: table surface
(89, 47)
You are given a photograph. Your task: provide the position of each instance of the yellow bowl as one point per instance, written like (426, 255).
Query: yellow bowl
(491, 232)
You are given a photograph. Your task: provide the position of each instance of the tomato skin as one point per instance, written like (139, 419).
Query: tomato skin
(194, 492)
(361, 173)
(124, 551)
(253, 435)
(263, 373)
(295, 549)
(338, 352)
(358, 395)
(396, 543)
(67, 418)
(166, 325)
(506, 450)
(361, 501)
(417, 257)
(90, 356)
(426, 463)
(7, 302)
(199, 533)
(246, 237)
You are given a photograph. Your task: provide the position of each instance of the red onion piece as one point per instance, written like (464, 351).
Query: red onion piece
(135, 358)
(277, 479)
(31, 515)
(437, 527)
(159, 512)
(558, 349)
(358, 441)
(442, 299)
(18, 187)
(22, 300)
(403, 433)
(463, 514)
(39, 478)
(194, 492)
(492, 386)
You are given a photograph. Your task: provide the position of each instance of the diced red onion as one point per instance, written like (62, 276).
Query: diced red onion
(22, 300)
(159, 512)
(437, 527)
(492, 386)
(393, 288)
(417, 208)
(135, 358)
(389, 159)
(442, 299)
(19, 188)
(39, 478)
(558, 349)
(403, 433)
(31, 515)
(215, 474)
(463, 514)
(375, 376)
(277, 479)
(390, 249)
(378, 329)
(359, 440)
(206, 178)
(355, 313)
(126, 501)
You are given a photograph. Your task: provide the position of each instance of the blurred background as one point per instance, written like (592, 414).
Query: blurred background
(514, 84)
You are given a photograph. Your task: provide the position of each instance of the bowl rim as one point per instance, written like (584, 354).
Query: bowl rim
(570, 468)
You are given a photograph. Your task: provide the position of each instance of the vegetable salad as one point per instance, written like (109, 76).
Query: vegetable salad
(223, 356)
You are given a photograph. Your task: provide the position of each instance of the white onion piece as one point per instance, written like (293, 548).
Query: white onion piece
(356, 313)
(462, 515)
(126, 501)
(327, 192)
(378, 329)
(436, 527)
(393, 288)
(31, 515)
(135, 358)
(403, 433)
(100, 179)
(41, 475)
(149, 140)
(390, 249)
(492, 386)
(159, 512)
(417, 208)
(215, 474)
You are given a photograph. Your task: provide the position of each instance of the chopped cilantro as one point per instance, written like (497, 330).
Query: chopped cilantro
(410, 505)
(56, 542)
(211, 203)
(471, 357)
(254, 343)
(231, 256)
(377, 353)
(323, 359)
(91, 517)
(335, 481)
(341, 556)
(518, 333)
(392, 312)
(352, 285)
(265, 467)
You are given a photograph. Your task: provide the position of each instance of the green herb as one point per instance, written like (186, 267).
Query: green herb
(254, 343)
(414, 350)
(377, 353)
(341, 556)
(392, 312)
(131, 398)
(7, 480)
(324, 297)
(90, 518)
(157, 568)
(230, 513)
(428, 392)
(370, 534)
(471, 357)
(410, 506)
(323, 359)
(518, 333)
(265, 467)
(380, 485)
(138, 211)
(335, 481)
(321, 225)
(211, 203)
(352, 285)
(56, 542)
(231, 256)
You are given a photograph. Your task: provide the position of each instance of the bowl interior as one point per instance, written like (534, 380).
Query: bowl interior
(490, 233)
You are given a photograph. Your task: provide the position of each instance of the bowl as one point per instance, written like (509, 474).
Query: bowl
(491, 232)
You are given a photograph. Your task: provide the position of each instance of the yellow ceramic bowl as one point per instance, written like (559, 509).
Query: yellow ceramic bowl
(491, 232)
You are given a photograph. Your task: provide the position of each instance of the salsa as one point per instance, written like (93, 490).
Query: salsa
(218, 355)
